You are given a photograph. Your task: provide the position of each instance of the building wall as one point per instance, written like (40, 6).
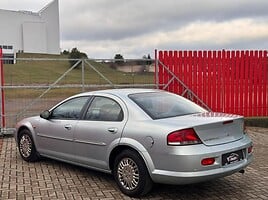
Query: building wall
(31, 32)
(36, 42)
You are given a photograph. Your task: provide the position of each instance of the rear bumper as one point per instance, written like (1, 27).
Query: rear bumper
(182, 165)
(181, 178)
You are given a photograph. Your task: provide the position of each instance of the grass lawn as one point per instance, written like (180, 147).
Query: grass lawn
(28, 72)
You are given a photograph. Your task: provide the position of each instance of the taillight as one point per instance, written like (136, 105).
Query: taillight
(208, 161)
(183, 137)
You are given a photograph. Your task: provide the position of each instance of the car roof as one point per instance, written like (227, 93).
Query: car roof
(120, 92)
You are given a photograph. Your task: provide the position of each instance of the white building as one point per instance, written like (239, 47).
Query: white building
(31, 32)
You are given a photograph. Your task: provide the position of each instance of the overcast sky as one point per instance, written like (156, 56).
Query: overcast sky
(133, 28)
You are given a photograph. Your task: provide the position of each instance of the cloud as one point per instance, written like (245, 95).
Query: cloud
(101, 20)
(222, 33)
(234, 34)
(134, 28)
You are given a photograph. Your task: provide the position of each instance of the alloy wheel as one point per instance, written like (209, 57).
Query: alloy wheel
(25, 145)
(128, 174)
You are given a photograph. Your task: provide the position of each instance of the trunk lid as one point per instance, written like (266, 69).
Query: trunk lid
(212, 128)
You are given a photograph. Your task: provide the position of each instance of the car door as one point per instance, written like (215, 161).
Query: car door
(55, 135)
(99, 131)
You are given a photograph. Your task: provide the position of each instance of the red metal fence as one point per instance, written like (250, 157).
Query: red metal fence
(225, 81)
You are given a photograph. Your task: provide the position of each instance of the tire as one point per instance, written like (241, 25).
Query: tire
(26, 146)
(131, 174)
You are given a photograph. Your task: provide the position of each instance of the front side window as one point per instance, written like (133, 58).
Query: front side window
(160, 105)
(104, 109)
(70, 109)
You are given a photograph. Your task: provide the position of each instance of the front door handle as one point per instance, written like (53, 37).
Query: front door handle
(68, 127)
(112, 130)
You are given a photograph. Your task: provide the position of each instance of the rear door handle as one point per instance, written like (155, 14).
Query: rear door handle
(68, 127)
(112, 130)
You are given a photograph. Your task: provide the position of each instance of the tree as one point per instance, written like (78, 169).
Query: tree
(65, 52)
(146, 60)
(119, 59)
(149, 62)
(76, 54)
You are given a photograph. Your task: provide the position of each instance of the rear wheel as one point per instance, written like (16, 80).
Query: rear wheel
(26, 146)
(131, 174)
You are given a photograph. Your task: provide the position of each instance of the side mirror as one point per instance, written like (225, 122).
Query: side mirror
(45, 114)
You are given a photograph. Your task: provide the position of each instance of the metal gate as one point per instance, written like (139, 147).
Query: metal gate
(35, 84)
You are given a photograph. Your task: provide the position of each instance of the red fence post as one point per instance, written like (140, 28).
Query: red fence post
(248, 106)
(199, 75)
(260, 84)
(156, 69)
(170, 64)
(209, 77)
(219, 83)
(232, 78)
(250, 67)
(214, 81)
(265, 83)
(194, 68)
(180, 61)
(3, 120)
(176, 70)
(160, 70)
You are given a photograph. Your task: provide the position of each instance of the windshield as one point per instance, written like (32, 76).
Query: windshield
(160, 105)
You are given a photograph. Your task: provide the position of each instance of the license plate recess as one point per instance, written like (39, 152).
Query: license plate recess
(233, 157)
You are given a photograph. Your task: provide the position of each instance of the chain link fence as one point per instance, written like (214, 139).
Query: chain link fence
(32, 85)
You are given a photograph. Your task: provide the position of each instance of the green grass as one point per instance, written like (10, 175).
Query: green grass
(46, 72)
(29, 72)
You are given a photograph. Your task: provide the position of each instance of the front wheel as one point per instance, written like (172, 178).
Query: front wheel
(131, 174)
(26, 146)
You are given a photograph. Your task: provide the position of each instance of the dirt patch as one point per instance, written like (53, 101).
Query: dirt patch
(257, 130)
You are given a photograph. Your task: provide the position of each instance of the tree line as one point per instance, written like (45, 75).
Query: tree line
(118, 58)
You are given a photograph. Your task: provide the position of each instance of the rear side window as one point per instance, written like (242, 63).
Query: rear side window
(160, 105)
(104, 109)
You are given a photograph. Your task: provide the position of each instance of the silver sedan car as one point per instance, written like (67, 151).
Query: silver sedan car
(141, 136)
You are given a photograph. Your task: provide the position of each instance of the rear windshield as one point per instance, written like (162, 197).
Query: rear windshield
(160, 105)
